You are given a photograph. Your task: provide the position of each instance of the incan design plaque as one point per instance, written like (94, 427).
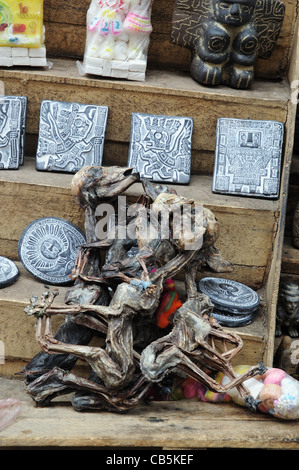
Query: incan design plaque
(160, 147)
(248, 157)
(232, 320)
(12, 131)
(48, 249)
(9, 272)
(230, 296)
(71, 135)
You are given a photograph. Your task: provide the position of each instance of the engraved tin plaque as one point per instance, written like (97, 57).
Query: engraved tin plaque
(230, 296)
(12, 131)
(23, 100)
(71, 135)
(248, 157)
(232, 320)
(160, 147)
(48, 249)
(9, 272)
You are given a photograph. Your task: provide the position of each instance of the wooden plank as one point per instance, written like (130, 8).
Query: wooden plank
(290, 258)
(171, 93)
(162, 425)
(66, 32)
(116, 153)
(17, 330)
(38, 192)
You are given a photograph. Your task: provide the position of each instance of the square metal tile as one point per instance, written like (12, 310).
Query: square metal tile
(248, 157)
(12, 131)
(71, 135)
(23, 100)
(160, 147)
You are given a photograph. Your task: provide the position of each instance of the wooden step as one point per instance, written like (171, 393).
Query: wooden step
(184, 426)
(290, 258)
(163, 93)
(17, 330)
(66, 33)
(247, 226)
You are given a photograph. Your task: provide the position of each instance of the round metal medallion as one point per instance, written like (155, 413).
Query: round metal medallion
(232, 320)
(229, 295)
(48, 249)
(8, 272)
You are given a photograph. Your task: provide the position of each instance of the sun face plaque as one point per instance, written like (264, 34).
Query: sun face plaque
(71, 135)
(160, 147)
(248, 157)
(48, 249)
(9, 272)
(235, 304)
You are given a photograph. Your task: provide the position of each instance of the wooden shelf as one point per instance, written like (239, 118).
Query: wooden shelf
(182, 425)
(163, 92)
(40, 194)
(18, 330)
(290, 258)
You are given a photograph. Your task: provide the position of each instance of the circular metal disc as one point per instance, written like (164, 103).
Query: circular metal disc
(231, 320)
(8, 272)
(48, 249)
(229, 295)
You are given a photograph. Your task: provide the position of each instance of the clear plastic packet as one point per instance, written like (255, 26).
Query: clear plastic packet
(276, 392)
(117, 38)
(21, 24)
(22, 34)
(9, 409)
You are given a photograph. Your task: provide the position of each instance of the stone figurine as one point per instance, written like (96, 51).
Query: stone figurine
(226, 37)
(287, 315)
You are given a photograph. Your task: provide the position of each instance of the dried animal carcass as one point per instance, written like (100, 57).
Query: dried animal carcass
(136, 353)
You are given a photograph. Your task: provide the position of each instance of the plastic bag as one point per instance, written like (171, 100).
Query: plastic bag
(9, 409)
(21, 24)
(117, 40)
(22, 34)
(276, 391)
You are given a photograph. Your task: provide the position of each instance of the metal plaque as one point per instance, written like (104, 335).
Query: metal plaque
(48, 249)
(9, 272)
(12, 131)
(231, 320)
(160, 147)
(71, 135)
(228, 295)
(248, 157)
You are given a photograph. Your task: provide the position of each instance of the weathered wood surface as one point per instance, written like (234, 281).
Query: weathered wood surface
(180, 425)
(163, 92)
(66, 32)
(290, 258)
(17, 330)
(247, 225)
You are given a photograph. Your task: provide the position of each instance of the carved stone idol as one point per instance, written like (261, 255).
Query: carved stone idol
(296, 227)
(226, 37)
(287, 315)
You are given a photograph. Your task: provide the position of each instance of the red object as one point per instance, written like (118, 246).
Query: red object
(19, 28)
(169, 304)
(3, 26)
